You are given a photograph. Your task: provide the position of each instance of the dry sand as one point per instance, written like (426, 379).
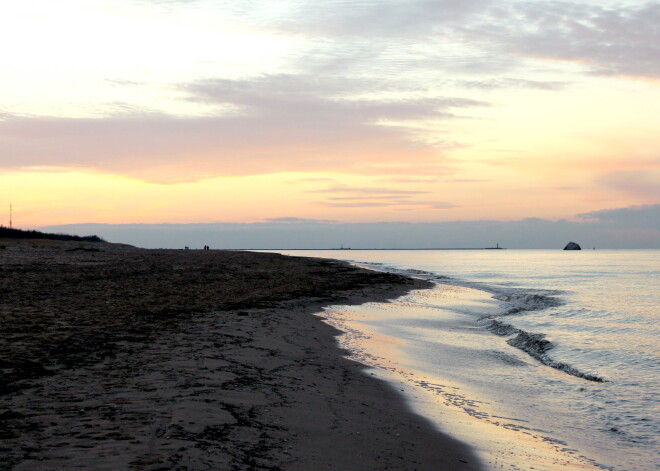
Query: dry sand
(128, 359)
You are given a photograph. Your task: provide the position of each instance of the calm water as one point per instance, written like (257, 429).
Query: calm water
(550, 351)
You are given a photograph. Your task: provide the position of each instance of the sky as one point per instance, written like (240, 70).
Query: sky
(627, 228)
(360, 111)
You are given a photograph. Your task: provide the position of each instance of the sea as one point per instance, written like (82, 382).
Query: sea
(538, 359)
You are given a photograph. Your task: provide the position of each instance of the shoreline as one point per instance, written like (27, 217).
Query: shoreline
(258, 384)
(505, 433)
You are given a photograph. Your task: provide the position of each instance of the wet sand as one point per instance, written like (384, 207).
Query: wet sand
(191, 360)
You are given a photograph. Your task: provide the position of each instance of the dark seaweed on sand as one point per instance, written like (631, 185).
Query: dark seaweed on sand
(69, 312)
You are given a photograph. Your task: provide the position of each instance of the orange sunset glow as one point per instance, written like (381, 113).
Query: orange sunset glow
(354, 235)
(190, 112)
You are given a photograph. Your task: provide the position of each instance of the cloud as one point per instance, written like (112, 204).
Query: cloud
(443, 205)
(364, 198)
(168, 149)
(633, 227)
(638, 183)
(313, 180)
(344, 196)
(410, 180)
(368, 191)
(285, 123)
(466, 180)
(318, 98)
(507, 82)
(294, 220)
(360, 204)
(634, 217)
(613, 41)
(399, 204)
(354, 68)
(382, 18)
(492, 37)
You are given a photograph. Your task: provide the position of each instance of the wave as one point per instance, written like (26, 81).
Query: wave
(526, 301)
(514, 301)
(536, 346)
(412, 272)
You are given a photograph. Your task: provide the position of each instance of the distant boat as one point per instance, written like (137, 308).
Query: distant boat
(497, 247)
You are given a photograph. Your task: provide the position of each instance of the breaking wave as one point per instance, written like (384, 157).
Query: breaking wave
(536, 346)
(514, 301)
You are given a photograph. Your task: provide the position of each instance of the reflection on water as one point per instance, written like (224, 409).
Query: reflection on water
(593, 312)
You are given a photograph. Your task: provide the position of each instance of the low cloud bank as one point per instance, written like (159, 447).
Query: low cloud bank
(623, 228)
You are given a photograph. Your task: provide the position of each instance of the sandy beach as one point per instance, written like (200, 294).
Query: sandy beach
(120, 358)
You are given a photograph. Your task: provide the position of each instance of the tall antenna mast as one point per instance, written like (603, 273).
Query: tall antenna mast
(10, 216)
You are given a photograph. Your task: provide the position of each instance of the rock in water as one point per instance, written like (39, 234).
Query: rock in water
(572, 246)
